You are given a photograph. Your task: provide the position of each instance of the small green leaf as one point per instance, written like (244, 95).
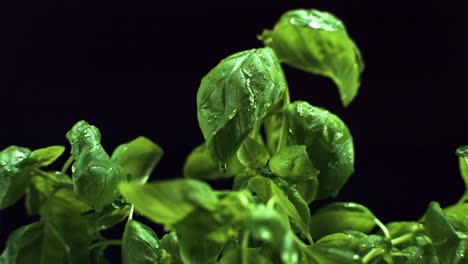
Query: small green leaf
(267, 225)
(167, 202)
(36, 243)
(252, 256)
(140, 244)
(200, 165)
(46, 156)
(317, 42)
(462, 152)
(252, 154)
(293, 163)
(95, 176)
(170, 243)
(459, 212)
(340, 217)
(138, 158)
(450, 244)
(16, 171)
(109, 216)
(328, 142)
(235, 96)
(266, 189)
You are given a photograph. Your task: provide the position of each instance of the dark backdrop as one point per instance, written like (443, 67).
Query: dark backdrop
(133, 68)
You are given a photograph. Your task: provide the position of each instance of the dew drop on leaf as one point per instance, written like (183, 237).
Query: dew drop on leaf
(223, 167)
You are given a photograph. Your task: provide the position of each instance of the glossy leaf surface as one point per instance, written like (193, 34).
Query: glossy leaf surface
(340, 217)
(328, 142)
(140, 244)
(317, 42)
(167, 202)
(138, 158)
(95, 176)
(235, 96)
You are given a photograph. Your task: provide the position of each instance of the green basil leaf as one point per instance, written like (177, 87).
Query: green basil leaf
(95, 176)
(266, 189)
(170, 243)
(36, 243)
(110, 215)
(308, 189)
(138, 158)
(200, 165)
(317, 42)
(195, 243)
(328, 143)
(41, 189)
(462, 152)
(293, 162)
(244, 256)
(253, 154)
(16, 170)
(63, 211)
(267, 225)
(340, 217)
(235, 96)
(46, 156)
(329, 255)
(451, 246)
(459, 212)
(140, 244)
(167, 202)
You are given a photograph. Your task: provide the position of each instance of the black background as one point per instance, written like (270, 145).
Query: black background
(133, 68)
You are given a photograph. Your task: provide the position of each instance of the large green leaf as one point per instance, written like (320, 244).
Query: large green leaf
(140, 244)
(95, 176)
(167, 202)
(137, 158)
(451, 244)
(340, 217)
(16, 171)
(37, 243)
(235, 96)
(328, 142)
(317, 42)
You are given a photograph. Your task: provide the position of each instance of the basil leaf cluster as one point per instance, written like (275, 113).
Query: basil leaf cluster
(281, 157)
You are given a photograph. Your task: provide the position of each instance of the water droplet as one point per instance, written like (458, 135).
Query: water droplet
(232, 114)
(223, 167)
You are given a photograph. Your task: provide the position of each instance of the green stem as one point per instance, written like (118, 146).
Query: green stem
(105, 243)
(244, 246)
(130, 215)
(284, 125)
(402, 239)
(67, 164)
(383, 228)
(372, 254)
(309, 238)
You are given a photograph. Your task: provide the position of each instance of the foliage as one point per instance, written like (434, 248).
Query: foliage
(281, 156)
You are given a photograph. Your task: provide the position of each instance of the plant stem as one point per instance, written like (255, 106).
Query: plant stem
(130, 215)
(309, 238)
(67, 164)
(106, 243)
(284, 125)
(382, 227)
(244, 246)
(402, 239)
(375, 252)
